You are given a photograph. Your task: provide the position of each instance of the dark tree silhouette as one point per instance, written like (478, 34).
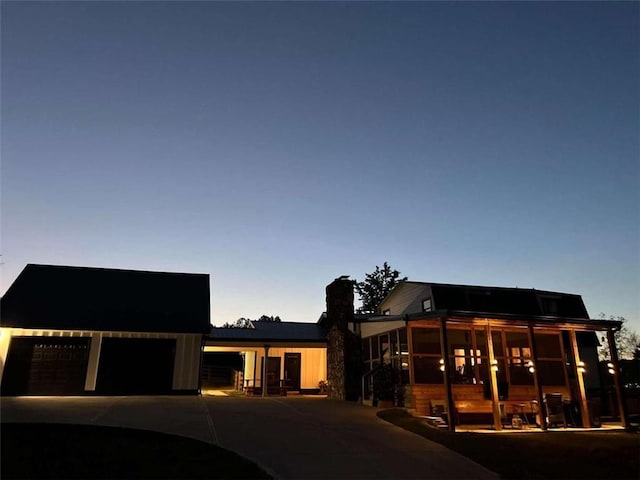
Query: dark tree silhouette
(627, 341)
(245, 322)
(376, 286)
(267, 318)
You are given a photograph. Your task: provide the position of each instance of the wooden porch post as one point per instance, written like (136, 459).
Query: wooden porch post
(622, 404)
(263, 380)
(584, 408)
(444, 345)
(255, 366)
(412, 380)
(493, 378)
(536, 381)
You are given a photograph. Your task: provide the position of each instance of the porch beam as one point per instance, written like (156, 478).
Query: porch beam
(584, 407)
(493, 378)
(622, 404)
(444, 346)
(536, 380)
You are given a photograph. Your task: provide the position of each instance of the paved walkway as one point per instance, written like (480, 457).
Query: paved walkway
(290, 437)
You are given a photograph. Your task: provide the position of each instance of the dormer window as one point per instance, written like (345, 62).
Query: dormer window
(549, 306)
(427, 305)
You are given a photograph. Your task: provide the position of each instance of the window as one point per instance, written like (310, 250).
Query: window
(550, 366)
(404, 355)
(366, 352)
(386, 312)
(518, 357)
(426, 305)
(426, 340)
(390, 349)
(468, 361)
(426, 355)
(385, 351)
(375, 350)
(427, 370)
(549, 305)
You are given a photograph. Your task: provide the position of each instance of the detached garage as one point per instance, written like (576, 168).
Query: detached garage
(77, 330)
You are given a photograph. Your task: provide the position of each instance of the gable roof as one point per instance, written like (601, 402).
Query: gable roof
(272, 332)
(85, 298)
(499, 300)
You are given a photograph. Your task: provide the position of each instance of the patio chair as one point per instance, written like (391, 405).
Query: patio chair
(555, 409)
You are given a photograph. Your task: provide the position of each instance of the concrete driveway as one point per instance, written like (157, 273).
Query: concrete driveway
(290, 437)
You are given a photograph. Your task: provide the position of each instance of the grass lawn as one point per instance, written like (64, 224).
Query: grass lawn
(552, 455)
(37, 450)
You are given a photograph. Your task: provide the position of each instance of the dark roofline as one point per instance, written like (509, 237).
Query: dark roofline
(87, 298)
(257, 333)
(456, 285)
(109, 269)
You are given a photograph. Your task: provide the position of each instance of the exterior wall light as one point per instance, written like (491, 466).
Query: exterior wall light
(611, 369)
(441, 365)
(494, 365)
(531, 367)
(581, 367)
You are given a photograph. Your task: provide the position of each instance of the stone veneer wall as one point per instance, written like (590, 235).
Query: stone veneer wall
(335, 363)
(344, 359)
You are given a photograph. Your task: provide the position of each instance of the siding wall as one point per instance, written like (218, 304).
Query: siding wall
(313, 367)
(407, 299)
(187, 360)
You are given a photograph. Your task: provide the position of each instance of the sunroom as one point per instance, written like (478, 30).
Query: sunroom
(499, 370)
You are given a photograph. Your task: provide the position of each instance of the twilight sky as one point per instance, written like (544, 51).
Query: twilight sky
(277, 146)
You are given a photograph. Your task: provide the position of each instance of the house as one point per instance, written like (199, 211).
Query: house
(475, 354)
(296, 355)
(81, 331)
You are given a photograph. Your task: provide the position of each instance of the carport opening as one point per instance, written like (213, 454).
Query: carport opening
(222, 371)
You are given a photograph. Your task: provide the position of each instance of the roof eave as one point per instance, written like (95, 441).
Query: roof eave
(536, 319)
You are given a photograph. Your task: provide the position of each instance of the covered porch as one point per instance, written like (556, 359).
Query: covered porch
(504, 372)
(510, 372)
(277, 358)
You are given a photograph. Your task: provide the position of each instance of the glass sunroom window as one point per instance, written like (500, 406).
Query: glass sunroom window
(518, 358)
(426, 341)
(467, 356)
(426, 355)
(550, 364)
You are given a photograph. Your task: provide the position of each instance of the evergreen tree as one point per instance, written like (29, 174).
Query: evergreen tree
(376, 286)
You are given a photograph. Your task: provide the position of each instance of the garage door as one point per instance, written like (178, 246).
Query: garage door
(136, 366)
(46, 366)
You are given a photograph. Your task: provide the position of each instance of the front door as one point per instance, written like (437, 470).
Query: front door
(292, 371)
(273, 375)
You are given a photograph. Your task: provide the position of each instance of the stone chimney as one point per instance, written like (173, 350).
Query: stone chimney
(344, 361)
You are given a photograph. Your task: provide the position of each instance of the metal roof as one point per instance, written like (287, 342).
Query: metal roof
(272, 332)
(499, 300)
(86, 298)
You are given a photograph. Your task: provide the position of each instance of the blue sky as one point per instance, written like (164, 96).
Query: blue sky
(277, 146)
